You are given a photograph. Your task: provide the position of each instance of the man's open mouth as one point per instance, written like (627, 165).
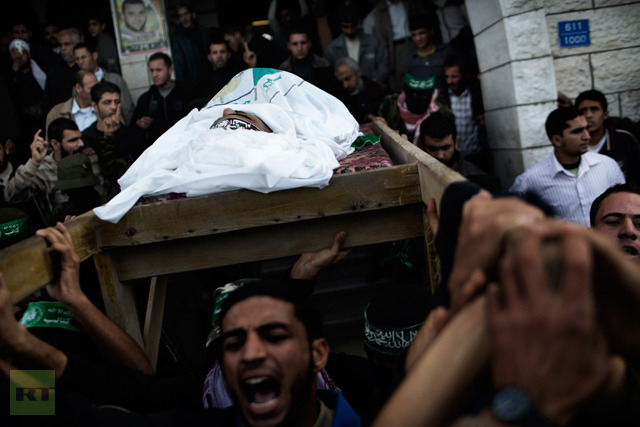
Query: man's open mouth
(261, 391)
(630, 250)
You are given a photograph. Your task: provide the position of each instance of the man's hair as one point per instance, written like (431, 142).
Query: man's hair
(84, 45)
(347, 61)
(220, 40)
(438, 126)
(593, 95)
(75, 34)
(422, 20)
(58, 126)
(460, 60)
(629, 187)
(161, 55)
(292, 5)
(304, 309)
(80, 75)
(299, 29)
(184, 5)
(557, 120)
(101, 88)
(97, 16)
(231, 28)
(131, 2)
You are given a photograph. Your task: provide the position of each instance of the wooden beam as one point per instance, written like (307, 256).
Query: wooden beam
(244, 209)
(27, 266)
(267, 242)
(119, 300)
(434, 175)
(153, 318)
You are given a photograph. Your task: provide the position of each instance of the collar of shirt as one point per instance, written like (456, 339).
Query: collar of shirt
(99, 74)
(83, 117)
(465, 94)
(586, 161)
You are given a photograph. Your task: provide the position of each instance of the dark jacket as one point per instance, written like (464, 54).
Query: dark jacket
(314, 69)
(622, 147)
(165, 112)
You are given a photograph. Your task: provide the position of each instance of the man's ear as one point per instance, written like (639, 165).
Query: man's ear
(95, 107)
(319, 353)
(556, 140)
(455, 143)
(605, 115)
(95, 56)
(54, 143)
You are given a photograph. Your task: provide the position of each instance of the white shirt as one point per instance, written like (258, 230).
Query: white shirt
(84, 117)
(353, 48)
(99, 74)
(399, 21)
(596, 148)
(570, 196)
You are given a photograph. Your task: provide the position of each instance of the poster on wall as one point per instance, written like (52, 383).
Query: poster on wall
(140, 26)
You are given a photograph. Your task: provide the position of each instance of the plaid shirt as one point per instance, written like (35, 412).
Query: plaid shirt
(465, 123)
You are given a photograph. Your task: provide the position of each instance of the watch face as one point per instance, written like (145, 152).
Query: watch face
(511, 404)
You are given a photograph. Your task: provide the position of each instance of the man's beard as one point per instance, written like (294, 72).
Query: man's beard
(300, 398)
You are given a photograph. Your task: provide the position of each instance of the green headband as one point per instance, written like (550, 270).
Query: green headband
(49, 314)
(419, 84)
(12, 228)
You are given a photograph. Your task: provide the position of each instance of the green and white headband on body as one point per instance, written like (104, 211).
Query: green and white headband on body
(419, 83)
(49, 314)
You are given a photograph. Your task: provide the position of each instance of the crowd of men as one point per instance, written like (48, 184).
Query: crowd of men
(535, 321)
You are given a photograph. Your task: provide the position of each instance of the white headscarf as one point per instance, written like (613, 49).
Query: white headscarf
(37, 72)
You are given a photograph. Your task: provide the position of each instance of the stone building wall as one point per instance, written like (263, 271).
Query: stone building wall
(523, 67)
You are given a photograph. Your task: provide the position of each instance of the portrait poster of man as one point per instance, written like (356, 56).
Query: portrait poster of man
(140, 26)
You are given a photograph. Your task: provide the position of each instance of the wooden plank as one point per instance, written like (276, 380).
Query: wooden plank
(431, 254)
(119, 301)
(153, 318)
(266, 242)
(27, 266)
(242, 209)
(434, 175)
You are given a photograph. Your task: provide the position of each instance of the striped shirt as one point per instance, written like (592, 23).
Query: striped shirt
(570, 196)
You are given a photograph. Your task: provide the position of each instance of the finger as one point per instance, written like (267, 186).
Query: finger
(509, 286)
(432, 215)
(246, 46)
(577, 274)
(473, 286)
(37, 135)
(338, 241)
(529, 270)
(65, 232)
(342, 255)
(495, 302)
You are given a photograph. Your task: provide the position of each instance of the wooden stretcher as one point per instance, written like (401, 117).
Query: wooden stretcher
(155, 240)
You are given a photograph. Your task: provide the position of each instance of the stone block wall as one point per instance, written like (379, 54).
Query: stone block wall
(523, 68)
(611, 63)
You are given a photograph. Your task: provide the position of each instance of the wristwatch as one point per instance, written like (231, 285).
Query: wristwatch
(512, 405)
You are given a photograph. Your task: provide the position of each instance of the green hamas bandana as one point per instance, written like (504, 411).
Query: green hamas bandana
(419, 84)
(48, 314)
(15, 227)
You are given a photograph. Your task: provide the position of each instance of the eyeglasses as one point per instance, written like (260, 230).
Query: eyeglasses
(233, 123)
